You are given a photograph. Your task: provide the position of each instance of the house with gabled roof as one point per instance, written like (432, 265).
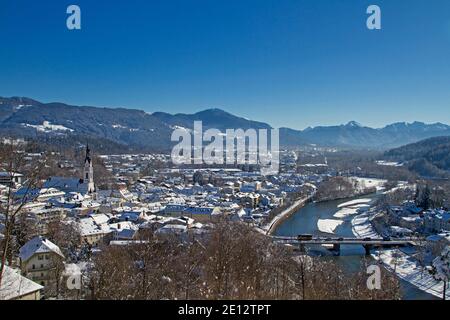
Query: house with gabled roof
(14, 286)
(39, 260)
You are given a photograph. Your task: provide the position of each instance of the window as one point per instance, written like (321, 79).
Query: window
(46, 257)
(33, 266)
(40, 257)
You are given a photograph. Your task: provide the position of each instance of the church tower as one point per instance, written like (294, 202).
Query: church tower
(88, 177)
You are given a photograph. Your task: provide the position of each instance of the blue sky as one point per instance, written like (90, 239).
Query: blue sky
(287, 62)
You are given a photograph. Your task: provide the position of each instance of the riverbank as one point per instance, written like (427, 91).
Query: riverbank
(397, 261)
(366, 186)
(305, 221)
(269, 227)
(406, 268)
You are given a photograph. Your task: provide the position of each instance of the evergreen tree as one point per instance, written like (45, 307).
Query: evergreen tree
(425, 198)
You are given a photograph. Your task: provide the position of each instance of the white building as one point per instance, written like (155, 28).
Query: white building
(38, 260)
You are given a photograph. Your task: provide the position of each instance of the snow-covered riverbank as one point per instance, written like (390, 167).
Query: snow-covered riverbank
(404, 266)
(269, 227)
(355, 202)
(362, 228)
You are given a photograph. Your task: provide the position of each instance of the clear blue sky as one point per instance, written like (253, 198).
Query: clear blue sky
(287, 62)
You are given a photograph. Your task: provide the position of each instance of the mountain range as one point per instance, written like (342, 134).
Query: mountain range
(28, 118)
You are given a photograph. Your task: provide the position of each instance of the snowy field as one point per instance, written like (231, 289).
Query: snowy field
(406, 269)
(328, 225)
(47, 127)
(389, 163)
(371, 183)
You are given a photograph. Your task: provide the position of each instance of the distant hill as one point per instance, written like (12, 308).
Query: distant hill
(211, 118)
(25, 117)
(355, 135)
(28, 118)
(429, 158)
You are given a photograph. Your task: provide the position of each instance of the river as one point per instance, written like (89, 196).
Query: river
(304, 221)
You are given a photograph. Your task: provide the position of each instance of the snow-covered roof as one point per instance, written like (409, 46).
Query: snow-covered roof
(38, 245)
(99, 218)
(67, 184)
(10, 174)
(172, 228)
(14, 285)
(87, 227)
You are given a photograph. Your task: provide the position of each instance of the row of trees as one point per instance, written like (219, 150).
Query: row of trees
(340, 188)
(426, 195)
(432, 195)
(234, 262)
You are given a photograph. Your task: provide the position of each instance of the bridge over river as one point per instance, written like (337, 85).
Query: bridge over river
(367, 243)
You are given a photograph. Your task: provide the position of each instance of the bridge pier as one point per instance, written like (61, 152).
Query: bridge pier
(302, 248)
(337, 248)
(367, 247)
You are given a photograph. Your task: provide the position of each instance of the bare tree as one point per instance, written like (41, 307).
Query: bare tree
(13, 160)
(233, 262)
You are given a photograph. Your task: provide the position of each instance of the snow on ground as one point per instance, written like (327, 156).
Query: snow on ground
(352, 207)
(407, 269)
(349, 211)
(48, 127)
(267, 228)
(180, 128)
(362, 228)
(20, 106)
(389, 163)
(370, 183)
(328, 225)
(118, 126)
(354, 202)
(345, 212)
(400, 186)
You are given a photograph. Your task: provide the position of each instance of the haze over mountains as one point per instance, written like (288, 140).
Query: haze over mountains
(24, 117)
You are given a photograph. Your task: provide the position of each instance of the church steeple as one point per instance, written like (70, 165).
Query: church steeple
(88, 154)
(88, 171)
